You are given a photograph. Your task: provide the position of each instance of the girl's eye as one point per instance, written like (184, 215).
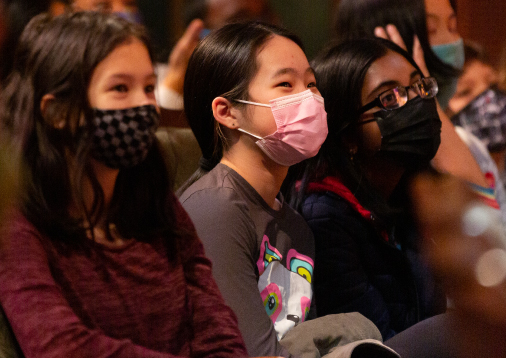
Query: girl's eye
(312, 84)
(150, 89)
(463, 93)
(284, 84)
(120, 88)
(452, 25)
(431, 26)
(389, 98)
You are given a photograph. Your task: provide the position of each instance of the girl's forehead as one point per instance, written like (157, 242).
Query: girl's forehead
(441, 9)
(390, 70)
(392, 66)
(127, 53)
(280, 53)
(129, 59)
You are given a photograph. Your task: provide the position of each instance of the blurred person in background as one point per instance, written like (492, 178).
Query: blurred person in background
(479, 106)
(477, 75)
(216, 13)
(502, 69)
(126, 8)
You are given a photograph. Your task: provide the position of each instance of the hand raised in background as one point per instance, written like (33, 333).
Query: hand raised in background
(180, 55)
(391, 33)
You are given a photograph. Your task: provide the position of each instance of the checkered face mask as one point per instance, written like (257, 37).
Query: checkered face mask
(122, 138)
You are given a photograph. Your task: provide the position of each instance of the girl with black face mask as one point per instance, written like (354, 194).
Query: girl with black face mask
(383, 127)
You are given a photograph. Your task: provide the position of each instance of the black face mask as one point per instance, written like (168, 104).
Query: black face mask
(411, 134)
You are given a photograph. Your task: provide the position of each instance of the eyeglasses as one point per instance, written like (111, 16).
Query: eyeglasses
(398, 96)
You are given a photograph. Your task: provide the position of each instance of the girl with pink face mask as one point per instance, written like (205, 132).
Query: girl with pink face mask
(252, 102)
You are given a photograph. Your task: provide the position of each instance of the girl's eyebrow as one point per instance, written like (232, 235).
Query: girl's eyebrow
(384, 84)
(129, 76)
(414, 74)
(290, 70)
(284, 71)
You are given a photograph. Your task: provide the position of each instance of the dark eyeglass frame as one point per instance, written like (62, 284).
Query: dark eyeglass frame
(416, 86)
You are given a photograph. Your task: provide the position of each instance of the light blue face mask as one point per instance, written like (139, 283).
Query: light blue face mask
(452, 54)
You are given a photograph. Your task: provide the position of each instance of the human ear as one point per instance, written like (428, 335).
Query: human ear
(225, 113)
(48, 108)
(350, 143)
(351, 148)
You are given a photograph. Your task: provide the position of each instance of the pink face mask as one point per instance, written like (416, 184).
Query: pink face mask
(301, 123)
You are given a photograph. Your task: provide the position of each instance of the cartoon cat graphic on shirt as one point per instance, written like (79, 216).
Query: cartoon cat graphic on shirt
(285, 290)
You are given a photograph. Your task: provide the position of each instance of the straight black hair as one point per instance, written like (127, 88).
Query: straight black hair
(223, 64)
(58, 56)
(340, 71)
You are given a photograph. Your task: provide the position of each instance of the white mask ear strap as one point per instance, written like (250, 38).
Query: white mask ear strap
(253, 103)
(255, 136)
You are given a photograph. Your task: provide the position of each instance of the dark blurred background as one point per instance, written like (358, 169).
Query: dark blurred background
(483, 21)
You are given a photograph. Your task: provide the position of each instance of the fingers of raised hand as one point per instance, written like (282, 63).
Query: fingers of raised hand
(391, 33)
(186, 44)
(419, 57)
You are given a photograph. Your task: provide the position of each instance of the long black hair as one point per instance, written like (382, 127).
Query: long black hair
(340, 71)
(58, 56)
(223, 64)
(358, 19)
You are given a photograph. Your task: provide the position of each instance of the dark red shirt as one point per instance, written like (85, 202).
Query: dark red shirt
(113, 302)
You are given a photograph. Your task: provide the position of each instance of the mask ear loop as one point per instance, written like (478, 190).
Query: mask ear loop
(251, 134)
(253, 103)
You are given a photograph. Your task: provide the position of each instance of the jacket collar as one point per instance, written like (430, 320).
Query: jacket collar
(334, 185)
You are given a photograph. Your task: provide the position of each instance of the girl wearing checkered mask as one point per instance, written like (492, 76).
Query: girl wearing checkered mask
(98, 249)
